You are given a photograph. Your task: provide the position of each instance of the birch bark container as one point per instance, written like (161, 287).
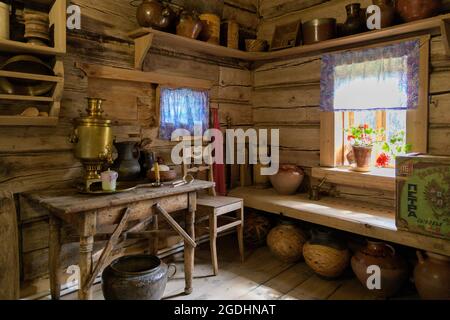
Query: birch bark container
(4, 20)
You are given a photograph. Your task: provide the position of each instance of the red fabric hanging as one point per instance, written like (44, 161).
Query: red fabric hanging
(219, 169)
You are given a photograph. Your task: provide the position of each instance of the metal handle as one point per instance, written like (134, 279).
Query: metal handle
(391, 247)
(173, 265)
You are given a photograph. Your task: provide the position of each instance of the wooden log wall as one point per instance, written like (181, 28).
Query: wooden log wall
(35, 158)
(287, 94)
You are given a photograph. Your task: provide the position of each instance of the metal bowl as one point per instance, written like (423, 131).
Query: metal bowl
(318, 30)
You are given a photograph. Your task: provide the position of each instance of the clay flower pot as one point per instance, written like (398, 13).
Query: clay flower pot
(432, 276)
(286, 242)
(363, 156)
(288, 179)
(394, 270)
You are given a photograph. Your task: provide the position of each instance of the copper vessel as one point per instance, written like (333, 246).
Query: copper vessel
(411, 10)
(151, 13)
(432, 276)
(93, 140)
(318, 30)
(189, 25)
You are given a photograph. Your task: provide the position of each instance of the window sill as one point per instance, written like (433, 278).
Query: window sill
(381, 179)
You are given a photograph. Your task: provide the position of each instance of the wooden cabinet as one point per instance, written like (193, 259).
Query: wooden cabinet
(11, 104)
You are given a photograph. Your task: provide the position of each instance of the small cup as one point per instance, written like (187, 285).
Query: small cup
(109, 180)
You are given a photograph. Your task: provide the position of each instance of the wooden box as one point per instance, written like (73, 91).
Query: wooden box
(423, 195)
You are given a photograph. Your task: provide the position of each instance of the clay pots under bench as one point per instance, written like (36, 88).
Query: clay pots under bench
(288, 179)
(286, 242)
(432, 276)
(394, 270)
(326, 254)
(256, 229)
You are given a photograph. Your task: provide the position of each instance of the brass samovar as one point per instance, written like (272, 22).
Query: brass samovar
(93, 141)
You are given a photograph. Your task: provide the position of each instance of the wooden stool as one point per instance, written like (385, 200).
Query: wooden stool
(216, 209)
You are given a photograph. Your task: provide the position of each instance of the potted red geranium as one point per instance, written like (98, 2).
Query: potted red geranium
(362, 140)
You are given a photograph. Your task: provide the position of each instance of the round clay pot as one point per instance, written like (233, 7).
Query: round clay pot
(394, 270)
(326, 254)
(387, 12)
(363, 156)
(256, 229)
(288, 179)
(411, 10)
(432, 276)
(286, 242)
(151, 13)
(190, 25)
(138, 277)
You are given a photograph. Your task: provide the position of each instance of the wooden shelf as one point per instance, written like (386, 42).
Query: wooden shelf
(144, 38)
(22, 48)
(28, 121)
(30, 76)
(25, 98)
(352, 216)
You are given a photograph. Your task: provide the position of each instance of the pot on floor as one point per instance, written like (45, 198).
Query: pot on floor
(138, 277)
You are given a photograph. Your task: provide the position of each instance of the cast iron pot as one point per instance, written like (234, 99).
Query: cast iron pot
(137, 277)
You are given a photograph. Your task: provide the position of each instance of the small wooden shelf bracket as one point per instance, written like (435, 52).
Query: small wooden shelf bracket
(142, 47)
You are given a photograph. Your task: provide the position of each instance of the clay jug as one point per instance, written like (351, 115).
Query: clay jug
(394, 270)
(387, 12)
(288, 179)
(411, 10)
(151, 13)
(189, 25)
(432, 276)
(355, 23)
(326, 254)
(127, 162)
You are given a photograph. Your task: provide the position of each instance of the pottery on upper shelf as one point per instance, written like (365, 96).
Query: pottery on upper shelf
(152, 13)
(411, 10)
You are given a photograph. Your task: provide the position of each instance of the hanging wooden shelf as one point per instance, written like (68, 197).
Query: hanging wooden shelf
(28, 121)
(144, 38)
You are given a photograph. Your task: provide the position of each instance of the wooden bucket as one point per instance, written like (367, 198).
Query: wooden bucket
(211, 28)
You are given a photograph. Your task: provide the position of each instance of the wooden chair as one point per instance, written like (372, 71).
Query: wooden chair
(216, 209)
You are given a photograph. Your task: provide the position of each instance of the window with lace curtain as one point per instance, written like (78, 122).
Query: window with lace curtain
(182, 108)
(384, 88)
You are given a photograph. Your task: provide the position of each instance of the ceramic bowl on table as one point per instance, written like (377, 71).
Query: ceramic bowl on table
(166, 176)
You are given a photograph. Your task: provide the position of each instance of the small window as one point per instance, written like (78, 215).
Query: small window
(384, 88)
(182, 108)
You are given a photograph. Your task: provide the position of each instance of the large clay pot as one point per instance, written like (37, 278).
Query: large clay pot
(394, 270)
(151, 13)
(411, 10)
(355, 23)
(326, 254)
(127, 163)
(288, 179)
(139, 277)
(189, 25)
(256, 229)
(387, 12)
(362, 156)
(286, 242)
(432, 276)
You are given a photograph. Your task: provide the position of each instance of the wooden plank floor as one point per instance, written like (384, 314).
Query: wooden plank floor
(261, 277)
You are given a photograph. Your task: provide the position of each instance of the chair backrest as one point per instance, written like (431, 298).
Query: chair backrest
(193, 160)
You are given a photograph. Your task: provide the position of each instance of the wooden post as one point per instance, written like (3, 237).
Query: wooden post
(54, 257)
(189, 250)
(87, 231)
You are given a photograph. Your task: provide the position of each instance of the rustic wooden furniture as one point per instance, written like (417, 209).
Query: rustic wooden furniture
(89, 214)
(57, 17)
(356, 217)
(215, 208)
(144, 38)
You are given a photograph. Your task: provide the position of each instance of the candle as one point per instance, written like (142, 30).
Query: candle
(157, 174)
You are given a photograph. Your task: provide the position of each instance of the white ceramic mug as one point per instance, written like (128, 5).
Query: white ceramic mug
(109, 180)
(4, 20)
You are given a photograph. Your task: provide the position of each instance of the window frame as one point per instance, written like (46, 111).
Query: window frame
(332, 123)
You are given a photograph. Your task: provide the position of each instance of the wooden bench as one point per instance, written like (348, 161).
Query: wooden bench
(352, 216)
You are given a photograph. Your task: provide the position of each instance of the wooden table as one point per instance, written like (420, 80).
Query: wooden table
(87, 214)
